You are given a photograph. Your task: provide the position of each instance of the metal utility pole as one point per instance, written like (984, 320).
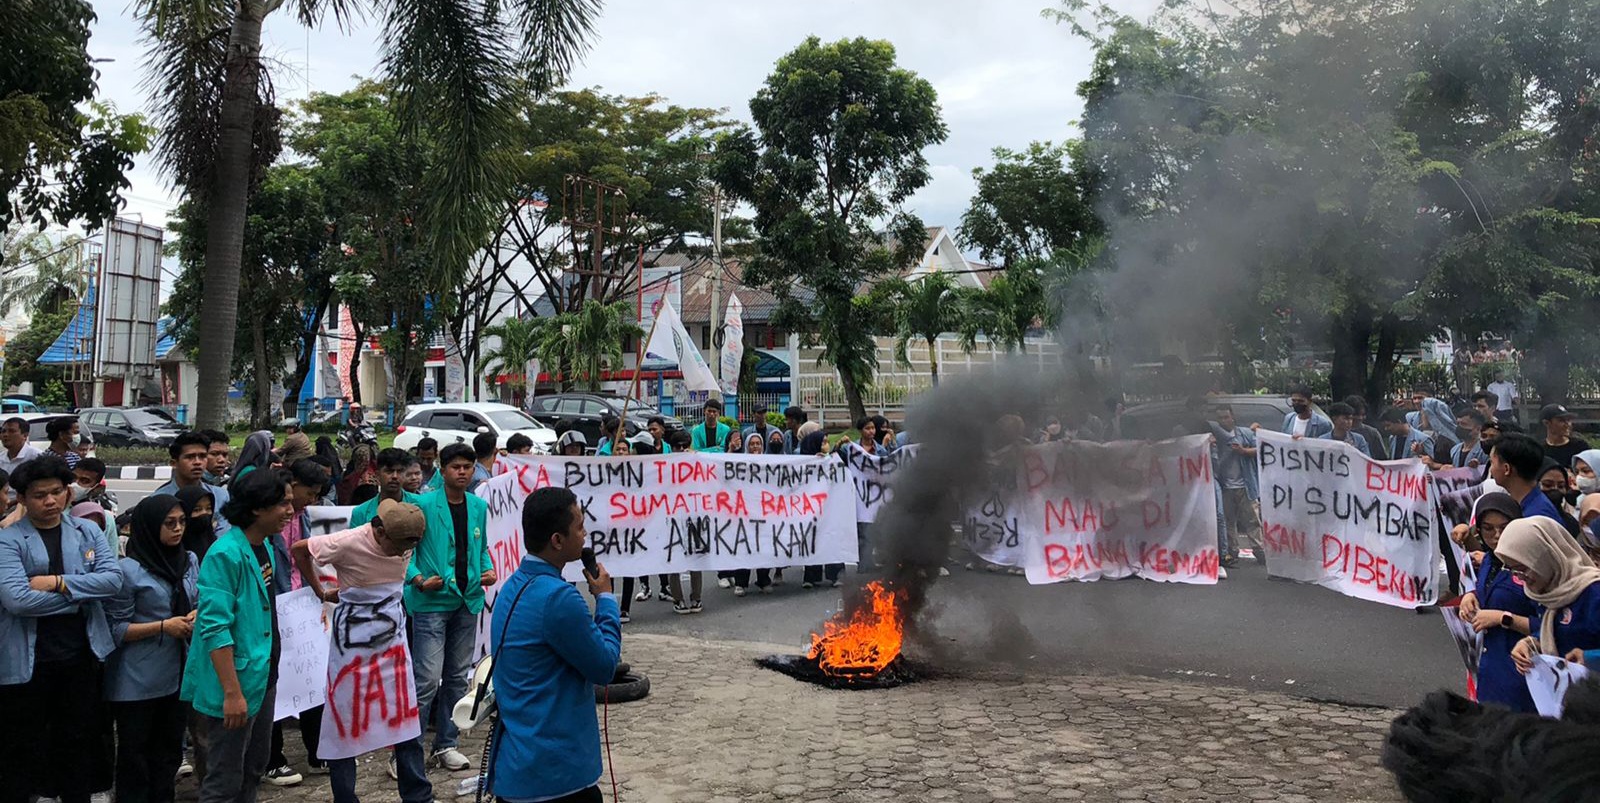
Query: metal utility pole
(716, 278)
(595, 207)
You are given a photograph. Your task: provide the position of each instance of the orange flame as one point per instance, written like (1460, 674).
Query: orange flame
(863, 641)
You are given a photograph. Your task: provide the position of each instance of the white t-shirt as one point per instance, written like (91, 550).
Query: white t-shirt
(1299, 427)
(9, 464)
(1505, 395)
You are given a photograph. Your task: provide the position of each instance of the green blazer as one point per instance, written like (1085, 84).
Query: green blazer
(234, 611)
(436, 556)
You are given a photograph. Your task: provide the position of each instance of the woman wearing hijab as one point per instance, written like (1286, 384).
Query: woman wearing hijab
(361, 471)
(1497, 607)
(1565, 583)
(753, 444)
(199, 532)
(151, 620)
(257, 453)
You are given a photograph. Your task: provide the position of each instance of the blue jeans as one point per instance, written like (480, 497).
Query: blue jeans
(414, 785)
(441, 652)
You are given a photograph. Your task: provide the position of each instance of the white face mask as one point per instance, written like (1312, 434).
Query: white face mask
(1588, 485)
(79, 493)
(76, 439)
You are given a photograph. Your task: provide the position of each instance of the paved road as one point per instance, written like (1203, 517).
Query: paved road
(129, 492)
(1246, 632)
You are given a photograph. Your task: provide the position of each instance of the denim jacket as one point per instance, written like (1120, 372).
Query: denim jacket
(91, 575)
(1318, 426)
(152, 667)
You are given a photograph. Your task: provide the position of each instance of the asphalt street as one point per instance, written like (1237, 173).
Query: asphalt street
(1245, 632)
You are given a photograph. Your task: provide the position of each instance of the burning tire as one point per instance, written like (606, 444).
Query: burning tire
(624, 689)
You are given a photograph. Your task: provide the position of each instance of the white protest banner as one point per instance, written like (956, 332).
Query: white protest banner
(990, 527)
(372, 699)
(1549, 681)
(1469, 643)
(1330, 515)
(303, 655)
(1457, 489)
(1090, 511)
(873, 476)
(681, 512)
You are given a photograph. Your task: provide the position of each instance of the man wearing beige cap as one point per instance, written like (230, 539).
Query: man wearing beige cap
(370, 562)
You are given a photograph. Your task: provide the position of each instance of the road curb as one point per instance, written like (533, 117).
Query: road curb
(139, 472)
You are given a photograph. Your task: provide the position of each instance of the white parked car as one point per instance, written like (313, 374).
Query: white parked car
(460, 423)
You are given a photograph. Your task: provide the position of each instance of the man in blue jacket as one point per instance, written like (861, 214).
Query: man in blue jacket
(549, 654)
(1304, 421)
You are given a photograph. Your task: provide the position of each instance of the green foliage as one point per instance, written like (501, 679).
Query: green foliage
(923, 310)
(776, 420)
(519, 344)
(53, 396)
(579, 346)
(837, 149)
(63, 158)
(43, 272)
(1030, 204)
(24, 350)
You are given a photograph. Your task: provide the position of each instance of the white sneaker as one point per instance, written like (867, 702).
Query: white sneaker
(100, 797)
(1222, 573)
(394, 768)
(185, 769)
(724, 582)
(738, 591)
(642, 596)
(452, 759)
(282, 776)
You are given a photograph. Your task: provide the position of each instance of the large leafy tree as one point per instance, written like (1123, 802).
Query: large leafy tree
(653, 151)
(41, 272)
(923, 310)
(578, 347)
(1029, 204)
(63, 158)
(517, 343)
(836, 152)
(455, 65)
(284, 266)
(1341, 168)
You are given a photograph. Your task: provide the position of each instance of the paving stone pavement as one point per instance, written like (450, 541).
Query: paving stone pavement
(718, 729)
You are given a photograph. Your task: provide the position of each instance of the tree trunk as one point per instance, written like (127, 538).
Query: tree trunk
(261, 410)
(1381, 379)
(306, 354)
(226, 202)
(355, 363)
(1352, 343)
(1550, 369)
(852, 397)
(933, 360)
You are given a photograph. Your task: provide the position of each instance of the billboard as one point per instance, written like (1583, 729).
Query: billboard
(128, 301)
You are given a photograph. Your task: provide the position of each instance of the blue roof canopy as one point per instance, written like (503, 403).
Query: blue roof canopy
(68, 347)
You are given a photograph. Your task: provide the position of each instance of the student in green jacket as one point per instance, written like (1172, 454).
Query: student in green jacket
(710, 435)
(232, 667)
(444, 595)
(392, 464)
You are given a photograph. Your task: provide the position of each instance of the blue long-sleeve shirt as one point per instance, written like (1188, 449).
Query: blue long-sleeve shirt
(550, 653)
(1498, 678)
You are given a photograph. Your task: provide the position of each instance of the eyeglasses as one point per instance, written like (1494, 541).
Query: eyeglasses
(174, 522)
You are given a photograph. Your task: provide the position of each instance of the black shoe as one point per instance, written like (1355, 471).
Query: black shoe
(1229, 563)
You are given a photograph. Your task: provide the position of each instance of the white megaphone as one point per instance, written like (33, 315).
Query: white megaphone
(478, 703)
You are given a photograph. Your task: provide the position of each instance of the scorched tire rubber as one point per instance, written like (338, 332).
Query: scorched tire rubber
(626, 689)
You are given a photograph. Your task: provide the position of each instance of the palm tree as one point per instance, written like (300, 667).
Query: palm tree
(456, 65)
(519, 345)
(40, 273)
(924, 310)
(578, 346)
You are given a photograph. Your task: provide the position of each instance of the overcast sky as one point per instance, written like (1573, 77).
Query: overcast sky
(1005, 75)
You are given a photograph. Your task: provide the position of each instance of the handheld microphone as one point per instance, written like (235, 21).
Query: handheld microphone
(591, 567)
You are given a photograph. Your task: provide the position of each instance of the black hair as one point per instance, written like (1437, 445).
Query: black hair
(565, 425)
(22, 423)
(41, 469)
(861, 423)
(214, 436)
(1522, 453)
(391, 458)
(56, 427)
(795, 413)
(1357, 403)
(546, 511)
(484, 445)
(456, 451)
(309, 474)
(1338, 409)
(881, 423)
(5, 477)
(680, 440)
(187, 439)
(1394, 415)
(1301, 390)
(518, 441)
(711, 404)
(256, 490)
(609, 424)
(1222, 407)
(641, 449)
(427, 443)
(93, 465)
(1473, 415)
(363, 493)
(656, 419)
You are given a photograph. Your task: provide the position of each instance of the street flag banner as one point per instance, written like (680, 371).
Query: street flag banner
(670, 343)
(455, 372)
(872, 476)
(1330, 515)
(1126, 509)
(372, 699)
(732, 346)
(303, 653)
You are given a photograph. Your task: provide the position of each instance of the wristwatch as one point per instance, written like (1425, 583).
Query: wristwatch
(1505, 620)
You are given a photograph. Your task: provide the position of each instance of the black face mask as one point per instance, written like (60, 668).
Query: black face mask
(1558, 496)
(1301, 407)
